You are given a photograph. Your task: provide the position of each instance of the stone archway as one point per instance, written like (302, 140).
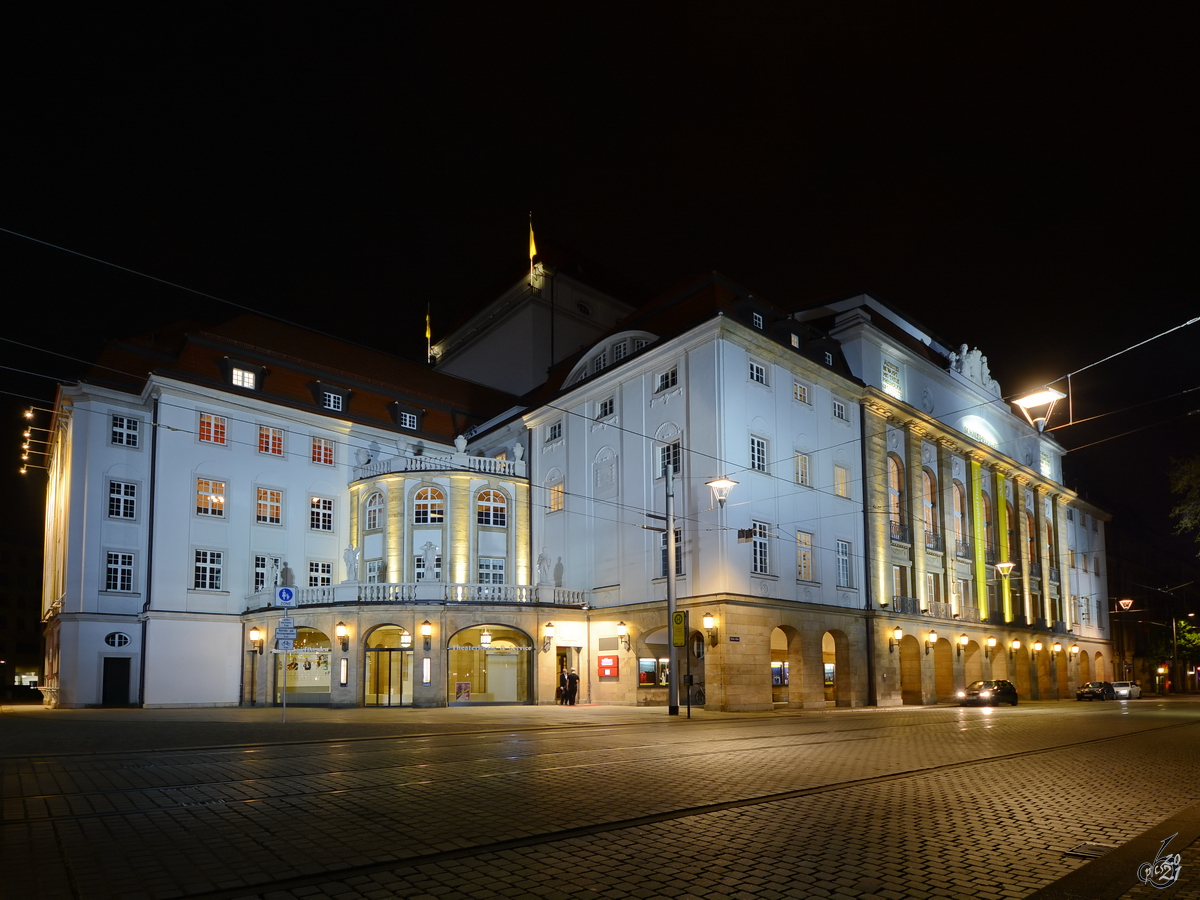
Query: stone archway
(911, 653)
(1102, 673)
(943, 671)
(1085, 667)
(789, 685)
(1020, 666)
(972, 663)
(1000, 664)
(835, 668)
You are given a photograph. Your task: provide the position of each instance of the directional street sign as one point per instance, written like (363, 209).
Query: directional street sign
(286, 633)
(285, 596)
(284, 645)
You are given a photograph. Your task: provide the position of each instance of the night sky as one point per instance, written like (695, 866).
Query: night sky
(1021, 180)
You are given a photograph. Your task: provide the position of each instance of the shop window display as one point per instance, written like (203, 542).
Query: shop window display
(388, 678)
(305, 670)
(490, 664)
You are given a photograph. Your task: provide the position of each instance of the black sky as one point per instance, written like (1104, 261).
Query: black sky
(1019, 178)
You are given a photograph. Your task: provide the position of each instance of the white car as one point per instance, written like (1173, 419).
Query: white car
(1127, 690)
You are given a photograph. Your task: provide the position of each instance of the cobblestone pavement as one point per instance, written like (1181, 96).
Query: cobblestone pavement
(596, 802)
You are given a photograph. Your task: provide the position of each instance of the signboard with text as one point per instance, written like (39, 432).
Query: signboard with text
(608, 666)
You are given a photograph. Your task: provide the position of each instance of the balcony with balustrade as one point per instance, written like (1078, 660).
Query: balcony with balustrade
(433, 462)
(426, 593)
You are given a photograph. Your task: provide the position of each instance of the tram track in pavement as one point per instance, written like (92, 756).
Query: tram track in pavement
(666, 751)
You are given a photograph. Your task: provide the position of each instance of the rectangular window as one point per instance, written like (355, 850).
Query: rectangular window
(605, 408)
(839, 411)
(796, 341)
(212, 428)
(330, 400)
(119, 573)
(320, 574)
(491, 571)
(322, 451)
(891, 380)
(125, 431)
(408, 420)
(761, 560)
(670, 455)
(828, 358)
(269, 508)
(804, 560)
(374, 570)
(932, 587)
(210, 498)
(802, 463)
(843, 563)
(557, 496)
(209, 567)
(1071, 559)
(320, 514)
(270, 440)
(638, 344)
(899, 582)
(553, 431)
(266, 572)
(757, 319)
(619, 351)
(758, 373)
(1096, 564)
(243, 378)
(958, 590)
(800, 392)
(600, 361)
(841, 481)
(662, 553)
(667, 379)
(122, 500)
(420, 568)
(758, 454)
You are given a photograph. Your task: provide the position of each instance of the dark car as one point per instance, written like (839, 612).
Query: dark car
(1096, 690)
(988, 693)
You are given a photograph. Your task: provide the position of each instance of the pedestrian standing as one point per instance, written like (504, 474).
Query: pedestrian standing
(572, 687)
(562, 687)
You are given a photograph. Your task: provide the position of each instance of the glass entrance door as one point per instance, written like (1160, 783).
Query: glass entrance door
(389, 680)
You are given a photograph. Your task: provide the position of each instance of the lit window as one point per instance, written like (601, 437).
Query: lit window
(125, 431)
(758, 373)
(800, 392)
(796, 341)
(895, 491)
(958, 593)
(839, 411)
(212, 428)
(491, 509)
(760, 560)
(122, 500)
(210, 498)
(960, 513)
(802, 462)
(320, 574)
(933, 592)
(408, 420)
(429, 507)
(891, 380)
(553, 431)
(119, 572)
(670, 455)
(758, 454)
(322, 451)
(330, 400)
(557, 496)
(662, 553)
(1046, 467)
(667, 380)
(930, 498)
(843, 563)
(243, 378)
(208, 570)
(269, 508)
(841, 481)
(320, 514)
(605, 408)
(266, 572)
(374, 516)
(804, 562)
(270, 440)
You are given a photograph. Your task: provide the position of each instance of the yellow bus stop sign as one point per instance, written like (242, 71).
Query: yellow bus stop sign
(678, 629)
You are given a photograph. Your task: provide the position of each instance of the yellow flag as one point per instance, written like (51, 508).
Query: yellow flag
(532, 245)
(427, 332)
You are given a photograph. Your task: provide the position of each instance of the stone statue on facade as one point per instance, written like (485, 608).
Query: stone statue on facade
(460, 444)
(350, 555)
(518, 451)
(429, 556)
(543, 567)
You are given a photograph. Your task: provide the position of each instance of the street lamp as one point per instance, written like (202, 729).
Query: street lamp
(1013, 648)
(963, 640)
(426, 631)
(989, 647)
(710, 626)
(623, 634)
(894, 640)
(256, 638)
(547, 636)
(1038, 406)
(930, 641)
(340, 631)
(721, 488)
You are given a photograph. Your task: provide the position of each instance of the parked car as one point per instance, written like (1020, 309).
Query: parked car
(1127, 690)
(1096, 690)
(988, 693)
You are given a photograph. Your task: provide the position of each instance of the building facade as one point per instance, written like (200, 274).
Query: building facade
(448, 543)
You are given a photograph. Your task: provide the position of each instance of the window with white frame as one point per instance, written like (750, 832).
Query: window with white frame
(796, 341)
(320, 514)
(841, 481)
(407, 420)
(800, 392)
(667, 379)
(662, 553)
(212, 428)
(554, 431)
(268, 508)
(891, 380)
(828, 358)
(419, 568)
(802, 468)
(804, 556)
(899, 581)
(670, 454)
(599, 363)
(605, 408)
(758, 372)
(757, 319)
(122, 500)
(270, 440)
(958, 592)
(933, 591)
(374, 570)
(843, 564)
(491, 508)
(373, 517)
(557, 496)
(760, 562)
(118, 574)
(243, 378)
(429, 507)
(266, 571)
(210, 498)
(320, 574)
(839, 410)
(209, 567)
(330, 400)
(491, 570)
(758, 453)
(638, 344)
(619, 351)
(125, 431)
(322, 451)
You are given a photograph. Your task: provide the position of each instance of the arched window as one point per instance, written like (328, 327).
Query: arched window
(1031, 537)
(374, 512)
(960, 517)
(895, 491)
(929, 488)
(988, 536)
(1010, 522)
(491, 508)
(430, 507)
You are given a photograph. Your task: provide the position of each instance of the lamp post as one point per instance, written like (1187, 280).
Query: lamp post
(672, 654)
